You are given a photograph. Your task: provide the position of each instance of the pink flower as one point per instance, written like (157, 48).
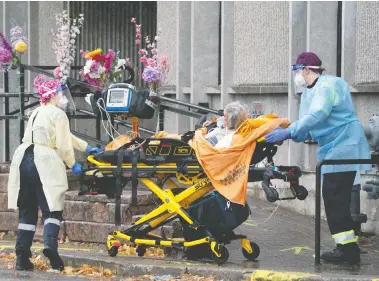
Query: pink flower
(143, 59)
(138, 42)
(57, 72)
(141, 52)
(138, 35)
(133, 20)
(39, 80)
(151, 62)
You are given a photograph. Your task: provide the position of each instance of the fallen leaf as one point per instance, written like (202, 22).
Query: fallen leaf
(2, 234)
(107, 273)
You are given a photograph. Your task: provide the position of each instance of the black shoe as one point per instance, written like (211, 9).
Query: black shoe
(349, 253)
(55, 260)
(352, 253)
(23, 263)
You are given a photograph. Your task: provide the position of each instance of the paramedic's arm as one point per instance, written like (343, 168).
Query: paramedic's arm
(319, 110)
(64, 144)
(78, 143)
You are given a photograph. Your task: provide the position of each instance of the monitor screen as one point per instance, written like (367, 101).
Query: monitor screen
(116, 96)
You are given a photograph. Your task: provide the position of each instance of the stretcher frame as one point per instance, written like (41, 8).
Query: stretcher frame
(174, 205)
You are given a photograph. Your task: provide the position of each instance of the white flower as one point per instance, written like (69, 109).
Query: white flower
(120, 63)
(87, 67)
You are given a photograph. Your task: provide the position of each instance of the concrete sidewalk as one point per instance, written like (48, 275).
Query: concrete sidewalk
(286, 241)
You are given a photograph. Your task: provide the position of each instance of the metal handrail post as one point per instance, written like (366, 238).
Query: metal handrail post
(6, 112)
(21, 73)
(318, 213)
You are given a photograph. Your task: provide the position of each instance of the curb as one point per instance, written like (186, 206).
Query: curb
(133, 266)
(129, 268)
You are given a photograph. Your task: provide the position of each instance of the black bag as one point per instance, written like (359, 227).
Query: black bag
(219, 216)
(142, 104)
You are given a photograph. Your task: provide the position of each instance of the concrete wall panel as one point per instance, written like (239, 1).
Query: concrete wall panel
(167, 23)
(367, 42)
(261, 42)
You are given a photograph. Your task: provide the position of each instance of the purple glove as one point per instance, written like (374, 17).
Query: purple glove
(278, 135)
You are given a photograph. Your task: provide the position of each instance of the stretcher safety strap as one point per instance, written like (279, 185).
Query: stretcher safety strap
(53, 221)
(345, 237)
(27, 227)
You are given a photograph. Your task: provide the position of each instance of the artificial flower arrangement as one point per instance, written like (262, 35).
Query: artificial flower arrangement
(101, 69)
(155, 66)
(10, 52)
(64, 43)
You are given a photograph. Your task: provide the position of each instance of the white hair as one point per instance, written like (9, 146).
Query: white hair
(235, 113)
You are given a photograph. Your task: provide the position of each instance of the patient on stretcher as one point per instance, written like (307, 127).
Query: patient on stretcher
(221, 136)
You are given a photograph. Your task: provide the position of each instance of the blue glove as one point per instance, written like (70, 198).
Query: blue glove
(91, 149)
(278, 135)
(77, 169)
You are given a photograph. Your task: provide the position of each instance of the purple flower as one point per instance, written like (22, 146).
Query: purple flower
(4, 43)
(150, 75)
(5, 55)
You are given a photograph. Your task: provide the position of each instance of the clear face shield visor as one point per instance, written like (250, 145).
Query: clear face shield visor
(65, 101)
(298, 78)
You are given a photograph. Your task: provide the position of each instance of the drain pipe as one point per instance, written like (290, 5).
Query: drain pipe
(339, 38)
(355, 206)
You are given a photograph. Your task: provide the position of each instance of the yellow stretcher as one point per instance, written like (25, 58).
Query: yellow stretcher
(163, 161)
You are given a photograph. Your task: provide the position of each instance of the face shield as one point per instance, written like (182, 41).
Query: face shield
(65, 101)
(297, 78)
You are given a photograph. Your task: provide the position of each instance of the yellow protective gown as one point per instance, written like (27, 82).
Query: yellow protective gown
(53, 148)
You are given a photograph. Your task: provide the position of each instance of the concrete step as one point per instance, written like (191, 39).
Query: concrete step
(4, 168)
(73, 180)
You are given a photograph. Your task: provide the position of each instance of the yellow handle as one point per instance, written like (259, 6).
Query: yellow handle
(261, 139)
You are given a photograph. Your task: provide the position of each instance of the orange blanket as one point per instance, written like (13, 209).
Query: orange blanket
(228, 168)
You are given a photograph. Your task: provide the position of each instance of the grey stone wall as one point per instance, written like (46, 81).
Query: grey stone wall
(367, 39)
(167, 23)
(260, 42)
(46, 22)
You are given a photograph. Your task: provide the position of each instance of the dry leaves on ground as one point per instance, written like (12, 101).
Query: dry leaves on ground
(41, 264)
(170, 278)
(126, 250)
(87, 271)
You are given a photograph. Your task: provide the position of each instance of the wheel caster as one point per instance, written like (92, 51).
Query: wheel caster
(253, 255)
(224, 255)
(140, 250)
(113, 251)
(301, 192)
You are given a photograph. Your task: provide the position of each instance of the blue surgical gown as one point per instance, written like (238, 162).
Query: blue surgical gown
(327, 117)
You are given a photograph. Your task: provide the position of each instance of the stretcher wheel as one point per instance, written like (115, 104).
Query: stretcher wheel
(252, 256)
(141, 250)
(113, 251)
(224, 255)
(271, 193)
(301, 192)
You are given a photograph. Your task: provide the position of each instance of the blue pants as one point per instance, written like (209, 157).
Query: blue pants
(31, 196)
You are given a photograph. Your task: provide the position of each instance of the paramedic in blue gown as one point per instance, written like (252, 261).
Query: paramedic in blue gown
(38, 176)
(327, 116)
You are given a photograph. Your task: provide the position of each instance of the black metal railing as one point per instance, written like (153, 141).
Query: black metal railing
(374, 161)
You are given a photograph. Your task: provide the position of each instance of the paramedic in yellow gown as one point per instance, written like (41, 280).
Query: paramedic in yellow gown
(38, 173)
